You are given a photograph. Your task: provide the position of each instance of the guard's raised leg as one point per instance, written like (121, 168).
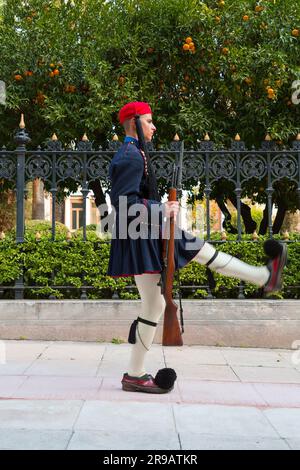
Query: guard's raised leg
(269, 276)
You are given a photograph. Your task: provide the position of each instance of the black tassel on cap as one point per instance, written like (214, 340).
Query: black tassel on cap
(165, 378)
(272, 248)
(132, 332)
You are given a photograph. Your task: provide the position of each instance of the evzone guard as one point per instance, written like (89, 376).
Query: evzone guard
(133, 180)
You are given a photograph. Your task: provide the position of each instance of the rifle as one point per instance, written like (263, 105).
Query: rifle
(171, 329)
(172, 336)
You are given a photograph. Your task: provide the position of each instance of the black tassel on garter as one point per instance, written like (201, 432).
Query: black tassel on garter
(132, 332)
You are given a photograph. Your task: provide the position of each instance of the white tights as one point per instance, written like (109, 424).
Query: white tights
(233, 267)
(153, 306)
(153, 303)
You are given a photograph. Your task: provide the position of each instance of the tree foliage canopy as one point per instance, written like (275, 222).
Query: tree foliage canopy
(70, 65)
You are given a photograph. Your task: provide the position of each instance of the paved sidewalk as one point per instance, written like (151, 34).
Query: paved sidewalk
(67, 395)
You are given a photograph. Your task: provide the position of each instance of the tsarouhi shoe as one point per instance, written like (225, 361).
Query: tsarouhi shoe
(162, 383)
(277, 253)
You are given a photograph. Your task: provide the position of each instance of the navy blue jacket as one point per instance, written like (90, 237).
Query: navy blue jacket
(129, 256)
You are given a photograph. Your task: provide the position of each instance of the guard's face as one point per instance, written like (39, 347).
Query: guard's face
(148, 126)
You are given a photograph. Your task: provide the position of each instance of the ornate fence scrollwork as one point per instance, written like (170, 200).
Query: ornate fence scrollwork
(253, 166)
(284, 166)
(222, 166)
(163, 165)
(7, 166)
(69, 166)
(97, 166)
(38, 166)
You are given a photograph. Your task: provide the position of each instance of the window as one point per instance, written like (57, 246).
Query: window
(76, 213)
(95, 217)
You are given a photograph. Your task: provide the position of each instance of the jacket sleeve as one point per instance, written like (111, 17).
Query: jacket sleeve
(126, 174)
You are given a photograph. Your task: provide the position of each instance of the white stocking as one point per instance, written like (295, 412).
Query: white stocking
(153, 305)
(230, 266)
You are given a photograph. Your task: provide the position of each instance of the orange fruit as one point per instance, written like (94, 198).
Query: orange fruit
(245, 17)
(191, 45)
(225, 50)
(40, 98)
(121, 80)
(18, 77)
(258, 8)
(217, 19)
(248, 80)
(271, 93)
(186, 47)
(51, 74)
(52, 65)
(56, 72)
(28, 73)
(221, 3)
(296, 32)
(70, 88)
(189, 40)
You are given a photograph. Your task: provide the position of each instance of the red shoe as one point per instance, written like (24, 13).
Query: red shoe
(145, 383)
(275, 265)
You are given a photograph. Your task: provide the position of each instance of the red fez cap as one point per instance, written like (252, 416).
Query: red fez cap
(131, 109)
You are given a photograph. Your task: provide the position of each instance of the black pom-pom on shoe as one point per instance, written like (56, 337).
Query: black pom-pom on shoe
(165, 378)
(272, 248)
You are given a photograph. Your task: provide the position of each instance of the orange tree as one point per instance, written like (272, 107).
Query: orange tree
(217, 66)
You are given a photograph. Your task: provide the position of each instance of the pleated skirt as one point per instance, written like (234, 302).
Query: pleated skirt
(130, 257)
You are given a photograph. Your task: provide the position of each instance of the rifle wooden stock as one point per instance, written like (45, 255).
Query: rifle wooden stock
(171, 329)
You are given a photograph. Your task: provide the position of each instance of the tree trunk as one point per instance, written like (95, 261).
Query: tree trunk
(291, 222)
(7, 210)
(250, 224)
(227, 225)
(60, 212)
(100, 200)
(38, 202)
(264, 223)
(279, 217)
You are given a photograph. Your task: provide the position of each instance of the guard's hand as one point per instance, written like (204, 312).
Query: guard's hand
(171, 209)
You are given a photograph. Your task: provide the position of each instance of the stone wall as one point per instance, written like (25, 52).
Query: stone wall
(241, 323)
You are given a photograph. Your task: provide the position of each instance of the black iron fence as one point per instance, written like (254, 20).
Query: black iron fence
(236, 168)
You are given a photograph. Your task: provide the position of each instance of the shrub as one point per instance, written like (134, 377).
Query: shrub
(62, 268)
